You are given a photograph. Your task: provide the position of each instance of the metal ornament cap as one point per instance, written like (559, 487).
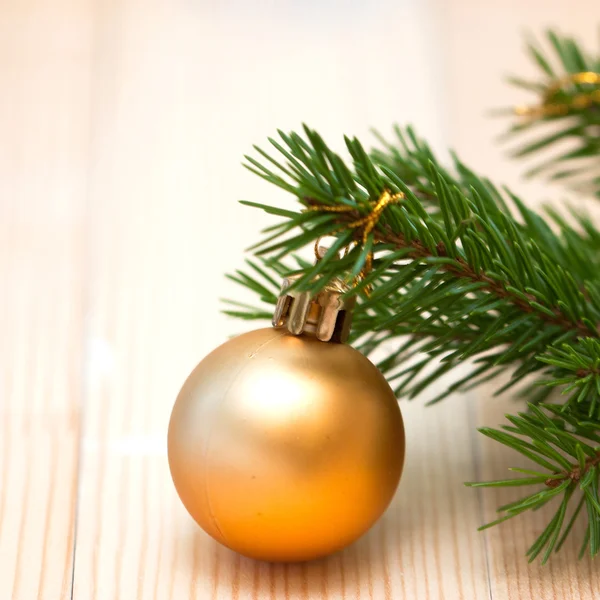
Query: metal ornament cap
(327, 315)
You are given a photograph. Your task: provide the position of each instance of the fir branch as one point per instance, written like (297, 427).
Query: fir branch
(460, 268)
(455, 277)
(566, 113)
(550, 441)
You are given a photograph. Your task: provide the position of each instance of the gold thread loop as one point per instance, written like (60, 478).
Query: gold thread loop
(366, 223)
(550, 108)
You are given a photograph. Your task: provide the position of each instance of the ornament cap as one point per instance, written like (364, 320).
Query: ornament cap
(326, 315)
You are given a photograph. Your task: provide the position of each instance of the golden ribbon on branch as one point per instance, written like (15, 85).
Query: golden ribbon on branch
(366, 224)
(552, 106)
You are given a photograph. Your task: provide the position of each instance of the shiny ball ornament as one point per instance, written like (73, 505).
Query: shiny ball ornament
(284, 447)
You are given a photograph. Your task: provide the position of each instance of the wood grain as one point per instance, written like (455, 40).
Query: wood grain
(122, 126)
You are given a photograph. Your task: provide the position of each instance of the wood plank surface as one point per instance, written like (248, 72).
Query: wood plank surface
(44, 128)
(122, 125)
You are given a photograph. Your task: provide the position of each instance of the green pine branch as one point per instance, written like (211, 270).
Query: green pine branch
(456, 278)
(576, 369)
(569, 138)
(566, 452)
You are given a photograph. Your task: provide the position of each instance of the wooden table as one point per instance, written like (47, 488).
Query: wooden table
(122, 125)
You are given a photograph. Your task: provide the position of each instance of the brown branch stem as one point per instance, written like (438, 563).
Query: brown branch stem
(462, 269)
(576, 473)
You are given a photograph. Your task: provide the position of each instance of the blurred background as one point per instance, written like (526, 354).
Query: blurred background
(123, 125)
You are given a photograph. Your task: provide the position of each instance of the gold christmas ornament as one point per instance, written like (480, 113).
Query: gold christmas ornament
(282, 446)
